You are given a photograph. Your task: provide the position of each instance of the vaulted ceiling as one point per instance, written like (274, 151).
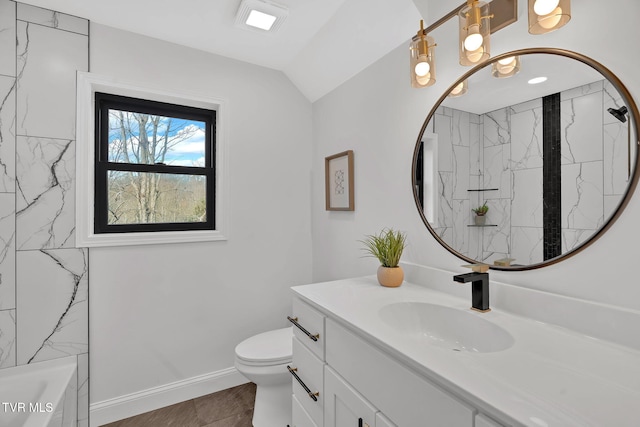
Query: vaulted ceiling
(322, 43)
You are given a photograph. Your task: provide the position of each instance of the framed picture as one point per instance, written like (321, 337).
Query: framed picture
(338, 170)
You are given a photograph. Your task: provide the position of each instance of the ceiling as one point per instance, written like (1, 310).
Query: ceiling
(322, 43)
(487, 93)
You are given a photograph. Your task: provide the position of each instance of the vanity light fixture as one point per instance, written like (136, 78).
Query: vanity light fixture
(506, 67)
(422, 59)
(475, 30)
(459, 90)
(548, 15)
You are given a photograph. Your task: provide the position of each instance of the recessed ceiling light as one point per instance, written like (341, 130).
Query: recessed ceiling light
(261, 20)
(261, 16)
(537, 80)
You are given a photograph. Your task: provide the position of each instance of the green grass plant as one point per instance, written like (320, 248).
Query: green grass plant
(481, 210)
(387, 246)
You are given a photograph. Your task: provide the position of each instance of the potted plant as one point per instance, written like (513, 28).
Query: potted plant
(387, 246)
(480, 212)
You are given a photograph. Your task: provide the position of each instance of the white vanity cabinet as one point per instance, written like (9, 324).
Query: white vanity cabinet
(384, 360)
(307, 365)
(343, 380)
(401, 395)
(357, 384)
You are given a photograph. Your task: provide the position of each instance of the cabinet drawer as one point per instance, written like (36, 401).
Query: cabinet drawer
(399, 393)
(300, 418)
(309, 370)
(313, 322)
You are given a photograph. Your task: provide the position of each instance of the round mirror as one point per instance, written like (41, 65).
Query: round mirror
(531, 164)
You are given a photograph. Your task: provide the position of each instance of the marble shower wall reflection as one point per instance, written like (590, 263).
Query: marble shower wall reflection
(503, 150)
(43, 277)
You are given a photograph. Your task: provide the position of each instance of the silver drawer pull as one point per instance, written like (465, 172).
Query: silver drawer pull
(294, 320)
(311, 394)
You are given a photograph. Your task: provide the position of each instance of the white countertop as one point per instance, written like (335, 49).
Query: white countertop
(551, 376)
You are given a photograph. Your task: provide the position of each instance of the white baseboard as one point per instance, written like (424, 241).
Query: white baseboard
(143, 401)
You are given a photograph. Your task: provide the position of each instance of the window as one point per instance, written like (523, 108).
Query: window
(182, 173)
(154, 166)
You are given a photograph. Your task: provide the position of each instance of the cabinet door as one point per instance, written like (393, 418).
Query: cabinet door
(343, 406)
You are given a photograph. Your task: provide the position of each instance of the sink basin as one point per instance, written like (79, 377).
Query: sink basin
(446, 327)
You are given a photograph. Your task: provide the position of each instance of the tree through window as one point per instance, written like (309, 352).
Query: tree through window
(154, 166)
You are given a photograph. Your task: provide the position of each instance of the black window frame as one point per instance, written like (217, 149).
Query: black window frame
(103, 103)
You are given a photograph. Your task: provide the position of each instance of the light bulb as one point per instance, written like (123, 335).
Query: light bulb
(550, 20)
(422, 67)
(423, 80)
(505, 69)
(456, 90)
(474, 39)
(506, 65)
(506, 61)
(545, 7)
(475, 55)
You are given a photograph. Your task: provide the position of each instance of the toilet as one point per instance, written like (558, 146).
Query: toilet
(263, 359)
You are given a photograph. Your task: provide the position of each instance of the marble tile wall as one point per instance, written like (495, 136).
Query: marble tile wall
(503, 149)
(43, 277)
(459, 170)
(584, 169)
(7, 183)
(615, 155)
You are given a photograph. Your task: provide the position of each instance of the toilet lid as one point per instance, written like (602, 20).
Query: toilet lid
(271, 347)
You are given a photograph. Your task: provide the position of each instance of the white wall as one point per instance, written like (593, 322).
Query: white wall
(379, 116)
(166, 313)
(160, 314)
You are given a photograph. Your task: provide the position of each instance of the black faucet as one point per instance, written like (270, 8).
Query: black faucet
(479, 289)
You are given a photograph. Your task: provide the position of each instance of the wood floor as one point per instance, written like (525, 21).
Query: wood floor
(227, 408)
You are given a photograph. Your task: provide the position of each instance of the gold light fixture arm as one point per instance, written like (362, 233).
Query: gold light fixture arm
(508, 14)
(424, 43)
(475, 14)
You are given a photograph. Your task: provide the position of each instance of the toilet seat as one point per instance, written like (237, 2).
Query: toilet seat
(266, 349)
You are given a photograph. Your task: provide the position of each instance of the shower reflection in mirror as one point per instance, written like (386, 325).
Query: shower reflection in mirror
(552, 170)
(621, 114)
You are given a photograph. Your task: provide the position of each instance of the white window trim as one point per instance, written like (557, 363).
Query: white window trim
(87, 85)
